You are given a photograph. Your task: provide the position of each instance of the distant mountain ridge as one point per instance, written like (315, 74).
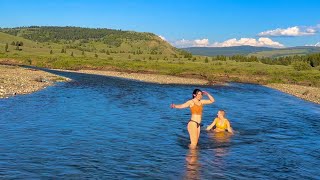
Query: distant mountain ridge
(252, 50)
(227, 51)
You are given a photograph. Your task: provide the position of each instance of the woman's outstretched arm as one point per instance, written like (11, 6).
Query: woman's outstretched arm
(181, 106)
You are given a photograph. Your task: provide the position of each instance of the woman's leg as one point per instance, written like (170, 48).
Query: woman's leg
(198, 128)
(194, 134)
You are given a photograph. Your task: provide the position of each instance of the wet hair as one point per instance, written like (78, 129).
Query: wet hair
(223, 112)
(195, 92)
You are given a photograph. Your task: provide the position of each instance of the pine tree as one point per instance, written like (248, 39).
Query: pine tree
(13, 43)
(62, 50)
(206, 60)
(6, 48)
(51, 51)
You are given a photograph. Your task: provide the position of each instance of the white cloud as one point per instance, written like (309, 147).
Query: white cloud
(311, 30)
(261, 42)
(163, 38)
(191, 43)
(291, 31)
(182, 43)
(201, 42)
(316, 45)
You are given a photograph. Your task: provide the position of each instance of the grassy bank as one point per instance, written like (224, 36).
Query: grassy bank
(214, 71)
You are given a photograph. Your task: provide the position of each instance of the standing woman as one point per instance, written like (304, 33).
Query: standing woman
(196, 107)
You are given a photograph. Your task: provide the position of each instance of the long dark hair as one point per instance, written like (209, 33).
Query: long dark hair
(195, 92)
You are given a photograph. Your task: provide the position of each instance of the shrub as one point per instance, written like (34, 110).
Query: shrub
(206, 60)
(301, 66)
(29, 61)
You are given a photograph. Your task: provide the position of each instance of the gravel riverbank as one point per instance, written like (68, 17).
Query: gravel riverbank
(304, 92)
(17, 80)
(152, 78)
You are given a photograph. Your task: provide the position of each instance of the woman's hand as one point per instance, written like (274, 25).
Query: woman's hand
(172, 106)
(208, 128)
(210, 100)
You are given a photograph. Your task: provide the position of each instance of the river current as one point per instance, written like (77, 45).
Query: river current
(102, 127)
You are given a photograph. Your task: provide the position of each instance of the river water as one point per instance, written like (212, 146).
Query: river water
(101, 127)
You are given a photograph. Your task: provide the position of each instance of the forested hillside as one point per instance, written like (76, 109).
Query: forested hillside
(98, 40)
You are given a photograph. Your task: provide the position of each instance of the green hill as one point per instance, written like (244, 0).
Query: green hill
(88, 39)
(92, 42)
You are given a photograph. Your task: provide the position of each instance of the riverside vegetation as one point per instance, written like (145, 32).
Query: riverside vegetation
(77, 48)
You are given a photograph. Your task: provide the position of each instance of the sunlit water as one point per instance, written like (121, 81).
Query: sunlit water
(110, 128)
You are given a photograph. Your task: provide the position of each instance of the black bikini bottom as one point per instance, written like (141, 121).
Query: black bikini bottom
(198, 124)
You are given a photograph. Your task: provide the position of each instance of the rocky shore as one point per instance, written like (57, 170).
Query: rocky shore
(304, 92)
(17, 80)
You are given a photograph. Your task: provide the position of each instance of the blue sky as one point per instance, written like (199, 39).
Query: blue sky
(274, 23)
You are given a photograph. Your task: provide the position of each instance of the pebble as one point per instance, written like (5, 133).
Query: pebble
(304, 92)
(17, 80)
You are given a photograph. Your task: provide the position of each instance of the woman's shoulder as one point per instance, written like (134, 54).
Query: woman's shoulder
(227, 120)
(190, 102)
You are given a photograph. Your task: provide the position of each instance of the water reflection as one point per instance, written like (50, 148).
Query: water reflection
(219, 153)
(192, 164)
(222, 140)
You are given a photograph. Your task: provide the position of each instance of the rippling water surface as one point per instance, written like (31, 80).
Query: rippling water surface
(102, 127)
